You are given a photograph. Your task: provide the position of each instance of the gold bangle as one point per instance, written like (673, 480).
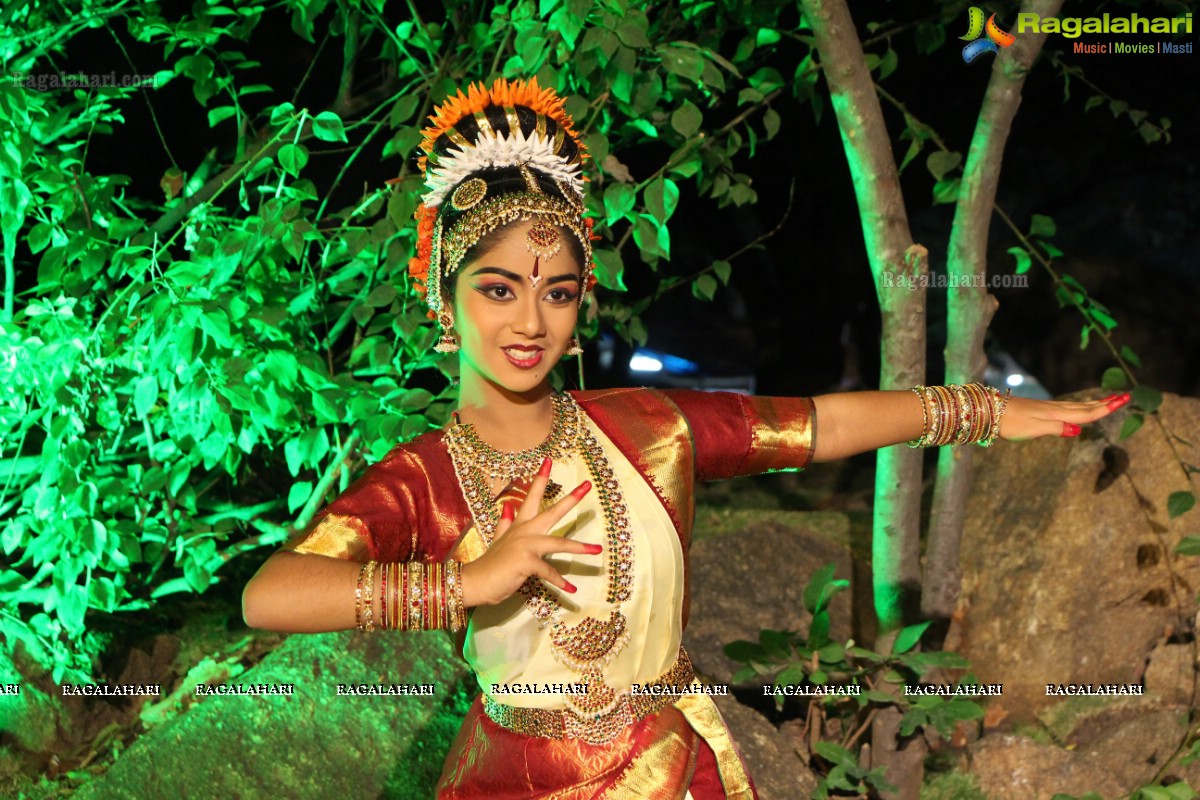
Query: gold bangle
(920, 440)
(358, 599)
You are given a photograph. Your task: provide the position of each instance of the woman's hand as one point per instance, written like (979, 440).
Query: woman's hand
(521, 543)
(1026, 419)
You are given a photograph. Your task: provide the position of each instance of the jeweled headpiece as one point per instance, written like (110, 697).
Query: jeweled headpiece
(492, 157)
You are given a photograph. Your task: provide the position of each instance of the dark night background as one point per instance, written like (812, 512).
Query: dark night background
(1126, 211)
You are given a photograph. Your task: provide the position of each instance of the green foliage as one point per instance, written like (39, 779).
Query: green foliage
(790, 658)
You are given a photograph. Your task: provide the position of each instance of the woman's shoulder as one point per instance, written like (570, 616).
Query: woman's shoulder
(416, 451)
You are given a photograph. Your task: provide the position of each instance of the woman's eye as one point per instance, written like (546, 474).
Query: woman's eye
(497, 291)
(561, 295)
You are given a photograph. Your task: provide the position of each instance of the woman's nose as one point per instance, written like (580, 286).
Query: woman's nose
(529, 320)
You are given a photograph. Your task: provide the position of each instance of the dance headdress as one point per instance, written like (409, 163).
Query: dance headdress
(495, 156)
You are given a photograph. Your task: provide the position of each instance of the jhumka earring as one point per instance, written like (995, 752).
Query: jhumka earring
(574, 348)
(449, 342)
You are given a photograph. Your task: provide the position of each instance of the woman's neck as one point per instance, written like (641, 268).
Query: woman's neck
(506, 420)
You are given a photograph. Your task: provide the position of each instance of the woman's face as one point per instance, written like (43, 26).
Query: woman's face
(511, 333)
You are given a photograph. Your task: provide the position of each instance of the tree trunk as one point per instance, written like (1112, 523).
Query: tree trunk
(970, 308)
(895, 538)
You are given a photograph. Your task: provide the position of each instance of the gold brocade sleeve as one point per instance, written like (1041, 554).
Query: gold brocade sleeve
(334, 535)
(736, 434)
(405, 507)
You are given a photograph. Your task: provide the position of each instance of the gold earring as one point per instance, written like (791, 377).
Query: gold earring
(574, 348)
(448, 343)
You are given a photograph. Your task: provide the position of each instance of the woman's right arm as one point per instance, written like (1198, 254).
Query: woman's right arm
(307, 593)
(301, 593)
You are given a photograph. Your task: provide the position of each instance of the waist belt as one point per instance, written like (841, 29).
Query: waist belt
(567, 723)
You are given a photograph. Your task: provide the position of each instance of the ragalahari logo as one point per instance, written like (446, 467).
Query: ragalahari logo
(994, 40)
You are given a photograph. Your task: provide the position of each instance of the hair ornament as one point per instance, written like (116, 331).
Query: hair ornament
(492, 157)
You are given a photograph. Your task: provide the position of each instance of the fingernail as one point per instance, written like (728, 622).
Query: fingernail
(595, 549)
(1070, 429)
(1116, 401)
(507, 514)
(545, 470)
(582, 489)
(569, 587)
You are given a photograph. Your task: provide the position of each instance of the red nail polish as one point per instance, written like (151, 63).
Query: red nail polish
(569, 587)
(1070, 429)
(582, 489)
(595, 549)
(507, 514)
(1117, 400)
(545, 470)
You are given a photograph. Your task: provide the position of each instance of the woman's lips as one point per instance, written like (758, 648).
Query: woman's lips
(522, 358)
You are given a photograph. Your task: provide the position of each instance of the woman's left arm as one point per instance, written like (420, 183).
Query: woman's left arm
(855, 422)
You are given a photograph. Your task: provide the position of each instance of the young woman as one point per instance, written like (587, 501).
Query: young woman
(551, 531)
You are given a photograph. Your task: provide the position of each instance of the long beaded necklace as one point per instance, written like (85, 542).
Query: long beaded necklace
(591, 644)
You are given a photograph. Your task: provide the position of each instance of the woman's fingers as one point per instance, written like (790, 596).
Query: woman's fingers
(533, 500)
(552, 576)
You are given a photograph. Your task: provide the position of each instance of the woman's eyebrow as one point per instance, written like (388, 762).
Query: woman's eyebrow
(512, 276)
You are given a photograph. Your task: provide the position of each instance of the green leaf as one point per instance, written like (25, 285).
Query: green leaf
(908, 637)
(145, 395)
(619, 200)
(686, 119)
(610, 268)
(1131, 356)
(219, 114)
(1180, 503)
(683, 62)
(946, 191)
(1188, 546)
(327, 127)
(632, 35)
(1146, 398)
(662, 197)
(818, 584)
(1092, 102)
(298, 495)
(722, 269)
(743, 651)
(382, 295)
(835, 754)
(888, 64)
(771, 122)
(1114, 378)
(293, 157)
(704, 287)
(1041, 225)
(1023, 260)
(940, 162)
(1131, 425)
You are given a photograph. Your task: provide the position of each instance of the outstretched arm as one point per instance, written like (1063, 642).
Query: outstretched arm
(855, 422)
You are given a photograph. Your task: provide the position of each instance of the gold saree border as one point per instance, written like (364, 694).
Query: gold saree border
(701, 713)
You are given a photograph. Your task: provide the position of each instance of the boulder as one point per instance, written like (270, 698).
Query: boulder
(1069, 574)
(314, 743)
(748, 572)
(771, 757)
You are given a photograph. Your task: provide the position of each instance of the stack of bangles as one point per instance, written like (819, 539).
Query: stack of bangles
(413, 596)
(960, 414)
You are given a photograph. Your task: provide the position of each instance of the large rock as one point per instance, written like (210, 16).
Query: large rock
(1069, 574)
(771, 757)
(1109, 746)
(749, 570)
(314, 744)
